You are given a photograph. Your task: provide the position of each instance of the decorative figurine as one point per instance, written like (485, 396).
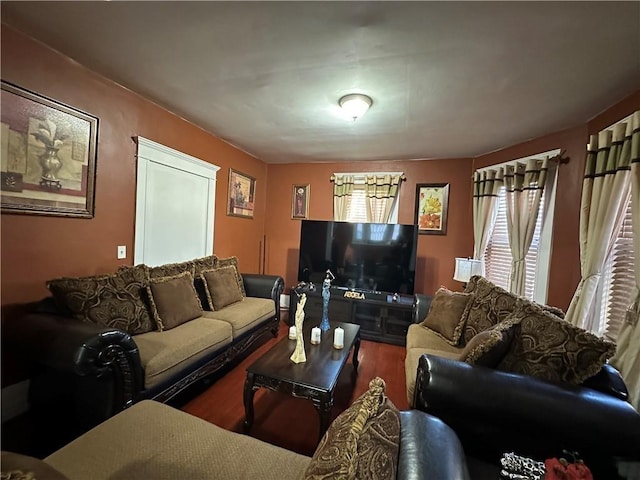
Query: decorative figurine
(326, 295)
(298, 355)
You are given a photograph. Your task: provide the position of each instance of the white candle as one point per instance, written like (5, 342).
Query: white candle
(338, 338)
(292, 332)
(315, 335)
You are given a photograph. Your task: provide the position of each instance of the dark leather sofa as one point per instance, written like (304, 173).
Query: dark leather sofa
(89, 373)
(494, 412)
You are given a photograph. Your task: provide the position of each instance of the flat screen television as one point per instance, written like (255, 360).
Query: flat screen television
(366, 256)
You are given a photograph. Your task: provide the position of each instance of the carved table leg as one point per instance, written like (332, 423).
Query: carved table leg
(324, 407)
(249, 391)
(356, 349)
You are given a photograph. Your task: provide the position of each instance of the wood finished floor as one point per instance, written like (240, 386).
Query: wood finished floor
(293, 423)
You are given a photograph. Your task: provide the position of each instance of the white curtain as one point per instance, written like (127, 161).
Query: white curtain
(381, 192)
(486, 185)
(604, 189)
(627, 358)
(524, 184)
(342, 192)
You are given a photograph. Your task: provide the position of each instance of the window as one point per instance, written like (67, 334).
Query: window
(497, 257)
(357, 208)
(617, 281)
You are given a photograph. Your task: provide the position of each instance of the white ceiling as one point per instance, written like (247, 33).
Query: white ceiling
(448, 79)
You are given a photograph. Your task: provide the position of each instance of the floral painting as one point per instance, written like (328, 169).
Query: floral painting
(432, 201)
(47, 155)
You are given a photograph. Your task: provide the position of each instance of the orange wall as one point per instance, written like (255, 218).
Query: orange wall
(36, 248)
(435, 252)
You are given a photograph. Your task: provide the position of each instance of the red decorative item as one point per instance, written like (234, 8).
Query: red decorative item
(561, 469)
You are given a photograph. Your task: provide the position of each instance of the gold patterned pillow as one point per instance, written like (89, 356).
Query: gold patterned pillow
(445, 317)
(174, 300)
(233, 261)
(22, 467)
(222, 287)
(550, 348)
(488, 347)
(114, 301)
(362, 442)
(200, 265)
(171, 269)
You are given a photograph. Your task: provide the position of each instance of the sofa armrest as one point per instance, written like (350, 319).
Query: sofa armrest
(520, 413)
(421, 306)
(264, 286)
(429, 449)
(83, 355)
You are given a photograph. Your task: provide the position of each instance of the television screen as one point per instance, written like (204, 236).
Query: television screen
(367, 256)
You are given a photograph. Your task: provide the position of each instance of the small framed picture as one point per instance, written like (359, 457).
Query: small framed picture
(300, 202)
(432, 203)
(242, 191)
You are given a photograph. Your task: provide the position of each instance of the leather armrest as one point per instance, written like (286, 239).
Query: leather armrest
(264, 286)
(421, 306)
(519, 410)
(429, 449)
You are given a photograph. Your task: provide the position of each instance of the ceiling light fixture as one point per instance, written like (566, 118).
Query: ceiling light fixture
(355, 105)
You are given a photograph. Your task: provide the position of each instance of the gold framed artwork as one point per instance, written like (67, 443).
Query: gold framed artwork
(432, 204)
(47, 155)
(242, 191)
(300, 202)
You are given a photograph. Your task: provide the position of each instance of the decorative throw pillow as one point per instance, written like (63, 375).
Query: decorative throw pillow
(550, 348)
(200, 265)
(171, 269)
(445, 317)
(488, 347)
(362, 442)
(233, 261)
(114, 301)
(222, 287)
(22, 467)
(490, 305)
(173, 300)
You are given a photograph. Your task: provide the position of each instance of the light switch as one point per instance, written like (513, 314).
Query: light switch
(122, 252)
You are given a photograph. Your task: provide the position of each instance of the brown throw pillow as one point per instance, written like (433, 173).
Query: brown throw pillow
(232, 262)
(173, 300)
(114, 301)
(445, 317)
(488, 347)
(222, 287)
(362, 442)
(550, 348)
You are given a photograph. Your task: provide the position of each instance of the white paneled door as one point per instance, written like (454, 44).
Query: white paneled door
(175, 204)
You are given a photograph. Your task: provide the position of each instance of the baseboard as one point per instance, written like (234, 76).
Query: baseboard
(15, 400)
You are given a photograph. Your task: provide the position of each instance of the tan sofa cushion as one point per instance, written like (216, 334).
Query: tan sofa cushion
(222, 287)
(445, 315)
(173, 300)
(165, 353)
(114, 301)
(154, 441)
(245, 315)
(362, 442)
(418, 336)
(550, 348)
(411, 365)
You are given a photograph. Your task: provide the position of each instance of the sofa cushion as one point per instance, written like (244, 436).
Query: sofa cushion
(233, 261)
(22, 467)
(419, 336)
(114, 301)
(244, 315)
(489, 347)
(362, 442)
(445, 315)
(171, 269)
(222, 287)
(153, 441)
(550, 348)
(489, 305)
(173, 300)
(164, 354)
(411, 365)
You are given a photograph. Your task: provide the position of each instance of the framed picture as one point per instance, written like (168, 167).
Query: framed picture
(432, 203)
(300, 202)
(242, 191)
(47, 156)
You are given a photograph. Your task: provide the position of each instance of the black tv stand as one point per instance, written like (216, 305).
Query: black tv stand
(382, 316)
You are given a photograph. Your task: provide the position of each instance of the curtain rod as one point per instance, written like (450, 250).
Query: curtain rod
(556, 155)
(364, 174)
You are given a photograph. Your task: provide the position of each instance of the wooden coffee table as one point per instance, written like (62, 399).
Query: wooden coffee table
(314, 380)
